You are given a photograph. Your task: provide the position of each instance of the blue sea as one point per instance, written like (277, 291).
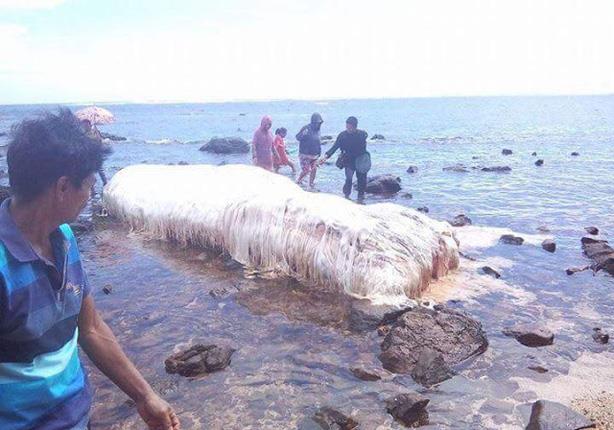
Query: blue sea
(293, 346)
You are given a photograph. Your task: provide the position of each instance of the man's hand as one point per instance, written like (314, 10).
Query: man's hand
(157, 414)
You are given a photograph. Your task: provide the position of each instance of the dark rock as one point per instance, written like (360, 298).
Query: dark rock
(219, 293)
(460, 221)
(183, 163)
(226, 145)
(600, 336)
(383, 184)
(412, 169)
(365, 316)
(431, 369)
(230, 263)
(543, 229)
(547, 415)
(507, 152)
(452, 333)
(331, 419)
(539, 162)
(406, 195)
(378, 137)
(5, 193)
(592, 230)
(498, 169)
(600, 252)
(364, 374)
(423, 209)
(510, 239)
(575, 154)
(459, 168)
(538, 369)
(475, 157)
(112, 137)
(572, 270)
(383, 330)
(530, 335)
(534, 154)
(549, 245)
(491, 272)
(199, 360)
(409, 409)
(107, 289)
(468, 257)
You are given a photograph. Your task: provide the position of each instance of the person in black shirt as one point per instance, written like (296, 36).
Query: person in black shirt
(353, 144)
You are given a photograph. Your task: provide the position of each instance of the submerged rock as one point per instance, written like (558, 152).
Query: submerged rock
(453, 334)
(530, 335)
(600, 252)
(226, 145)
(498, 169)
(547, 415)
(507, 152)
(510, 239)
(407, 195)
(487, 270)
(331, 419)
(423, 209)
(534, 154)
(199, 360)
(383, 184)
(572, 270)
(112, 137)
(539, 162)
(412, 169)
(431, 369)
(538, 369)
(549, 245)
(600, 336)
(365, 316)
(378, 137)
(460, 168)
(460, 220)
(409, 409)
(107, 289)
(592, 230)
(575, 154)
(365, 375)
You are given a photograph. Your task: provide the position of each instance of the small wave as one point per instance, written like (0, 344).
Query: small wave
(163, 141)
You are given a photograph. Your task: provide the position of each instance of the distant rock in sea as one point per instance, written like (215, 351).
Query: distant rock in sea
(378, 137)
(383, 184)
(226, 145)
(497, 169)
(507, 152)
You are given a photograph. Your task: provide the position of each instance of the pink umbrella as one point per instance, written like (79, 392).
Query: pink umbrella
(96, 115)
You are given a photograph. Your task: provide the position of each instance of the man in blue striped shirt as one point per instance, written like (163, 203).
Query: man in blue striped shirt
(46, 308)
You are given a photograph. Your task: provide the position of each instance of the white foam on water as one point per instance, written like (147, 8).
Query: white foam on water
(473, 237)
(384, 252)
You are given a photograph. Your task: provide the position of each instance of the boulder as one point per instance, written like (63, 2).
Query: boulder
(199, 360)
(412, 169)
(423, 209)
(530, 335)
(497, 169)
(534, 154)
(600, 336)
(331, 419)
(112, 137)
(366, 316)
(107, 289)
(510, 239)
(460, 220)
(409, 409)
(226, 145)
(572, 270)
(451, 333)
(490, 272)
(592, 230)
(507, 152)
(543, 229)
(406, 195)
(575, 154)
(431, 369)
(539, 162)
(365, 375)
(549, 245)
(547, 415)
(383, 184)
(378, 137)
(600, 252)
(459, 168)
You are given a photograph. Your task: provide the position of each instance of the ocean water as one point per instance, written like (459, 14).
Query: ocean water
(294, 348)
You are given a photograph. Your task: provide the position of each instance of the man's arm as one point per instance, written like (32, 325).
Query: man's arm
(332, 150)
(101, 346)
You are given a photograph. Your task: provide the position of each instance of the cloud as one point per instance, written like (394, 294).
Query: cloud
(30, 4)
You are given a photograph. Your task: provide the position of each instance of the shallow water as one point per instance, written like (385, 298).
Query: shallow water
(293, 346)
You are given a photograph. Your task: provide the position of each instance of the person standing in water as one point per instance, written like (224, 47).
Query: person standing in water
(263, 150)
(281, 159)
(310, 149)
(353, 145)
(93, 133)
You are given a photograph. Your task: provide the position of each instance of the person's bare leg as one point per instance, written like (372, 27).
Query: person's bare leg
(312, 176)
(301, 177)
(291, 164)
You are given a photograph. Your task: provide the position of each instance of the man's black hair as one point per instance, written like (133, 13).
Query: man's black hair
(281, 130)
(43, 149)
(352, 120)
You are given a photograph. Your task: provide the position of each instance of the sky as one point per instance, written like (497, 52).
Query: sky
(86, 51)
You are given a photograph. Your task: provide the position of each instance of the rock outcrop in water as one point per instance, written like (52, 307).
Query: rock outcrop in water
(364, 374)
(600, 252)
(331, 419)
(431, 369)
(600, 336)
(226, 145)
(378, 137)
(507, 152)
(409, 409)
(539, 162)
(412, 169)
(112, 137)
(592, 230)
(199, 360)
(460, 220)
(547, 415)
(497, 169)
(530, 335)
(549, 245)
(383, 184)
(510, 239)
(487, 270)
(451, 333)
(459, 168)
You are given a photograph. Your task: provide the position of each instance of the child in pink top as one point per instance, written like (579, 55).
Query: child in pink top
(281, 155)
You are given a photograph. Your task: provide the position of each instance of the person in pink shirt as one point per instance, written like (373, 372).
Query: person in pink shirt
(262, 145)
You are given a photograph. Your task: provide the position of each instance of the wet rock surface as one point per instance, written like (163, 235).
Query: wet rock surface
(600, 252)
(487, 270)
(530, 335)
(507, 152)
(409, 409)
(547, 415)
(460, 220)
(412, 169)
(364, 374)
(431, 369)
(226, 145)
(378, 137)
(592, 230)
(497, 169)
(383, 184)
(199, 360)
(331, 419)
(539, 162)
(423, 209)
(600, 336)
(510, 239)
(549, 245)
(451, 333)
(572, 270)
(366, 316)
(575, 154)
